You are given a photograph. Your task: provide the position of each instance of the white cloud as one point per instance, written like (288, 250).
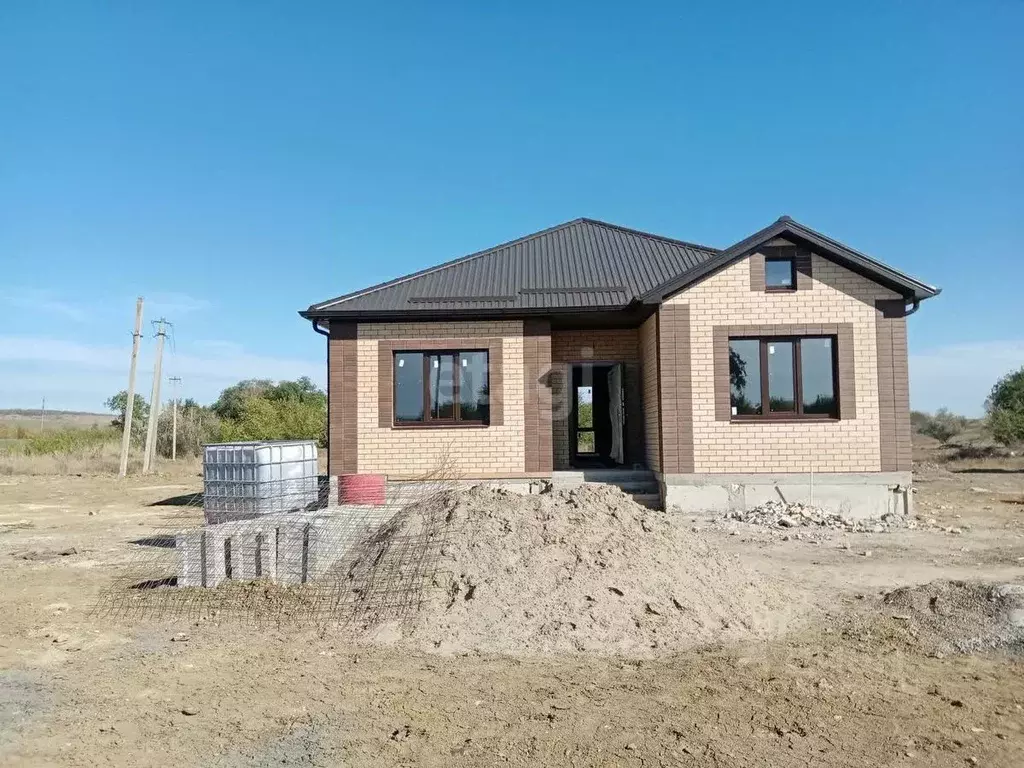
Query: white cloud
(79, 376)
(171, 305)
(43, 303)
(960, 376)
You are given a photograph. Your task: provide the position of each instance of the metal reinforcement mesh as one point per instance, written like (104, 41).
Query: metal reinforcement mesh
(328, 565)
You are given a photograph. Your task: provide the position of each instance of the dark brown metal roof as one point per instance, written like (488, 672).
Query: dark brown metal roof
(582, 264)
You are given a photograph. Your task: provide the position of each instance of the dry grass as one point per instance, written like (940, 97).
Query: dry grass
(101, 459)
(27, 420)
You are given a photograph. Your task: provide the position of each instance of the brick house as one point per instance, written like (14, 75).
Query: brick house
(776, 367)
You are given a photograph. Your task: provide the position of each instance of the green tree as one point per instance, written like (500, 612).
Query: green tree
(1005, 407)
(585, 415)
(261, 409)
(229, 404)
(737, 371)
(118, 403)
(302, 390)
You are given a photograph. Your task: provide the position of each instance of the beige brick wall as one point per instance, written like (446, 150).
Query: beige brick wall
(649, 373)
(836, 295)
(604, 345)
(474, 452)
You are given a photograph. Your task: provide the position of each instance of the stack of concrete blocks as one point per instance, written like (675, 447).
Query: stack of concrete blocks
(285, 549)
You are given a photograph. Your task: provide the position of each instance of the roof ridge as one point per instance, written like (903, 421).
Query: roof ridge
(650, 235)
(445, 265)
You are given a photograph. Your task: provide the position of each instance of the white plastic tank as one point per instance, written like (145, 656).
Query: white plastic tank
(243, 480)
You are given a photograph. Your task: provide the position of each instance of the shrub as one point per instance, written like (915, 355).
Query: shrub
(942, 426)
(68, 441)
(1005, 406)
(262, 419)
(919, 420)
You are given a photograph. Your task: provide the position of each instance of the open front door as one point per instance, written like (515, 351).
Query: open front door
(616, 411)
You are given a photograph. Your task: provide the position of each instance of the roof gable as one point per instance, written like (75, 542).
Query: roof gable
(786, 227)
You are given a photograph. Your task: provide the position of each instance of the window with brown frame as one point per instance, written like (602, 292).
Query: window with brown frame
(779, 273)
(441, 388)
(783, 377)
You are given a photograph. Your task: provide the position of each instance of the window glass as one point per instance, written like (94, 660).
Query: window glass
(778, 273)
(781, 385)
(409, 386)
(442, 386)
(745, 376)
(585, 407)
(474, 395)
(818, 388)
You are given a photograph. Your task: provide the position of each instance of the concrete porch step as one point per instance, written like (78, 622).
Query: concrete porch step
(611, 476)
(649, 500)
(634, 487)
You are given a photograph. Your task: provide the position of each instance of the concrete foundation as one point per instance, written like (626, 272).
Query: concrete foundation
(855, 495)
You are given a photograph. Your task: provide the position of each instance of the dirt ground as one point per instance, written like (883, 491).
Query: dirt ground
(846, 689)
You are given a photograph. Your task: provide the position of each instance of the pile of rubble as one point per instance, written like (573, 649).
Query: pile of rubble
(780, 515)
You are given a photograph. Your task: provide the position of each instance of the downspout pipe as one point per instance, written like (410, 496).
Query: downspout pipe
(326, 333)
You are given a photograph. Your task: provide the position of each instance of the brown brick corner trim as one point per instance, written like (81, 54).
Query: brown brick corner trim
(802, 257)
(893, 386)
(385, 371)
(539, 453)
(342, 403)
(844, 339)
(675, 385)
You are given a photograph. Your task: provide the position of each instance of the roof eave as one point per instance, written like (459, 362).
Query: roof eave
(369, 315)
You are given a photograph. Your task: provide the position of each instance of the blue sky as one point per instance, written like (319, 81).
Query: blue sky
(233, 162)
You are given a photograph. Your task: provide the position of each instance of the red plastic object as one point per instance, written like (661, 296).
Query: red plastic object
(361, 489)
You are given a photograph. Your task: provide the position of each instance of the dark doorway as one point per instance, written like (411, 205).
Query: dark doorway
(596, 422)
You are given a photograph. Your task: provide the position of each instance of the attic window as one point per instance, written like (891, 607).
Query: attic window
(780, 273)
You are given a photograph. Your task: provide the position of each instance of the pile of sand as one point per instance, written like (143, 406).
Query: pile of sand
(962, 616)
(580, 570)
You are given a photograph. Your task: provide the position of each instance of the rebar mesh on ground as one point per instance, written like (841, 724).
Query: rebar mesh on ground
(375, 575)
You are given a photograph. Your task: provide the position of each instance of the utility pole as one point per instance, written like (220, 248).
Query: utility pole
(42, 415)
(176, 380)
(154, 406)
(129, 408)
